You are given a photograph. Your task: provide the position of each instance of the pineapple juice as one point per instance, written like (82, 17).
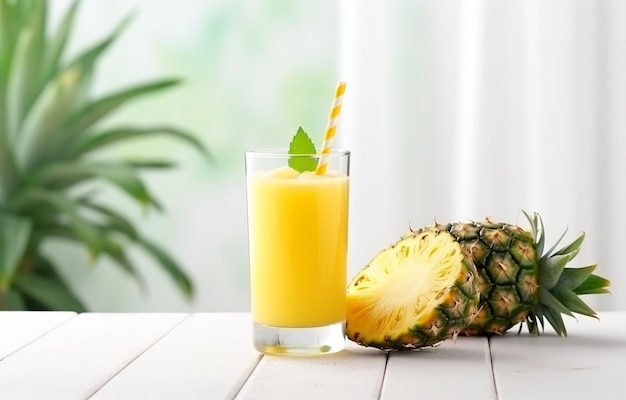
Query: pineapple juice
(298, 248)
(298, 239)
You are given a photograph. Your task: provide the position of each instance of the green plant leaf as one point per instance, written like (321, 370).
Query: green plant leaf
(24, 70)
(113, 219)
(548, 254)
(7, 165)
(536, 225)
(62, 175)
(55, 48)
(552, 303)
(7, 171)
(50, 291)
(302, 144)
(571, 278)
(123, 134)
(535, 319)
(542, 236)
(125, 178)
(86, 61)
(550, 270)
(57, 175)
(25, 10)
(83, 118)
(117, 253)
(14, 234)
(8, 17)
(12, 301)
(91, 55)
(40, 132)
(9, 30)
(89, 234)
(6, 42)
(179, 277)
(573, 248)
(43, 268)
(571, 300)
(150, 164)
(594, 284)
(110, 247)
(556, 321)
(85, 230)
(20, 81)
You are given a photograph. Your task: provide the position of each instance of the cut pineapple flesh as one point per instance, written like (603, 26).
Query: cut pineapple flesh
(411, 294)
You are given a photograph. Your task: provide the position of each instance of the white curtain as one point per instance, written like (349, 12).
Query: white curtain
(459, 109)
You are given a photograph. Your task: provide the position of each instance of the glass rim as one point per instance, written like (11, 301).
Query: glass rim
(281, 152)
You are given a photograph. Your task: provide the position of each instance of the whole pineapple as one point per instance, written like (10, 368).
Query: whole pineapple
(518, 281)
(415, 293)
(422, 289)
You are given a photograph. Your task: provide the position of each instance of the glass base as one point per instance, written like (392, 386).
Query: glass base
(299, 341)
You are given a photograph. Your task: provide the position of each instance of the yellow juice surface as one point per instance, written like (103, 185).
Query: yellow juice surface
(298, 227)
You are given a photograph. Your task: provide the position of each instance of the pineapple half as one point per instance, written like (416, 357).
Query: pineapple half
(424, 288)
(415, 293)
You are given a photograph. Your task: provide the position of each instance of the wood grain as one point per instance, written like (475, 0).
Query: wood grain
(208, 356)
(77, 358)
(460, 369)
(18, 328)
(355, 373)
(587, 364)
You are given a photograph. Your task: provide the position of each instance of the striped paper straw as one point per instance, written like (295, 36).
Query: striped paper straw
(331, 128)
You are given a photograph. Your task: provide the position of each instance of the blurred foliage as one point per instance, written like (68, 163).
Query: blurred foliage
(51, 165)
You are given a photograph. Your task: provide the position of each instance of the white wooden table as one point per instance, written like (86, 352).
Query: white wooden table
(209, 356)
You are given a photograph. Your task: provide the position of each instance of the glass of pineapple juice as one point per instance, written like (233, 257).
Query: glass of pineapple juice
(298, 244)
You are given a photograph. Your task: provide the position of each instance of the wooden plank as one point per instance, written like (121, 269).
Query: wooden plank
(19, 328)
(355, 373)
(208, 356)
(76, 359)
(460, 369)
(587, 364)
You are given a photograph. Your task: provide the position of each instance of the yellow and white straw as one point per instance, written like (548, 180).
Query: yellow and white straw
(331, 128)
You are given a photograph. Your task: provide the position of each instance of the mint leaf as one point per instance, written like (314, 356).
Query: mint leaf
(302, 144)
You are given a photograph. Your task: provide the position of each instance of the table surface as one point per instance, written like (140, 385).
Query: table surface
(63, 355)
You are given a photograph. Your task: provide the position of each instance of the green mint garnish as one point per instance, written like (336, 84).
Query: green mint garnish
(302, 144)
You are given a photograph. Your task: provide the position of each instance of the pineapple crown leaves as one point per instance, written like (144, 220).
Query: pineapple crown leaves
(49, 129)
(560, 287)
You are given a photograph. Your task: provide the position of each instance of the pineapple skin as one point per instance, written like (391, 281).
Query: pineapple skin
(456, 307)
(506, 259)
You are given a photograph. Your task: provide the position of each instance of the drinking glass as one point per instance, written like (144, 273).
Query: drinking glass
(298, 245)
